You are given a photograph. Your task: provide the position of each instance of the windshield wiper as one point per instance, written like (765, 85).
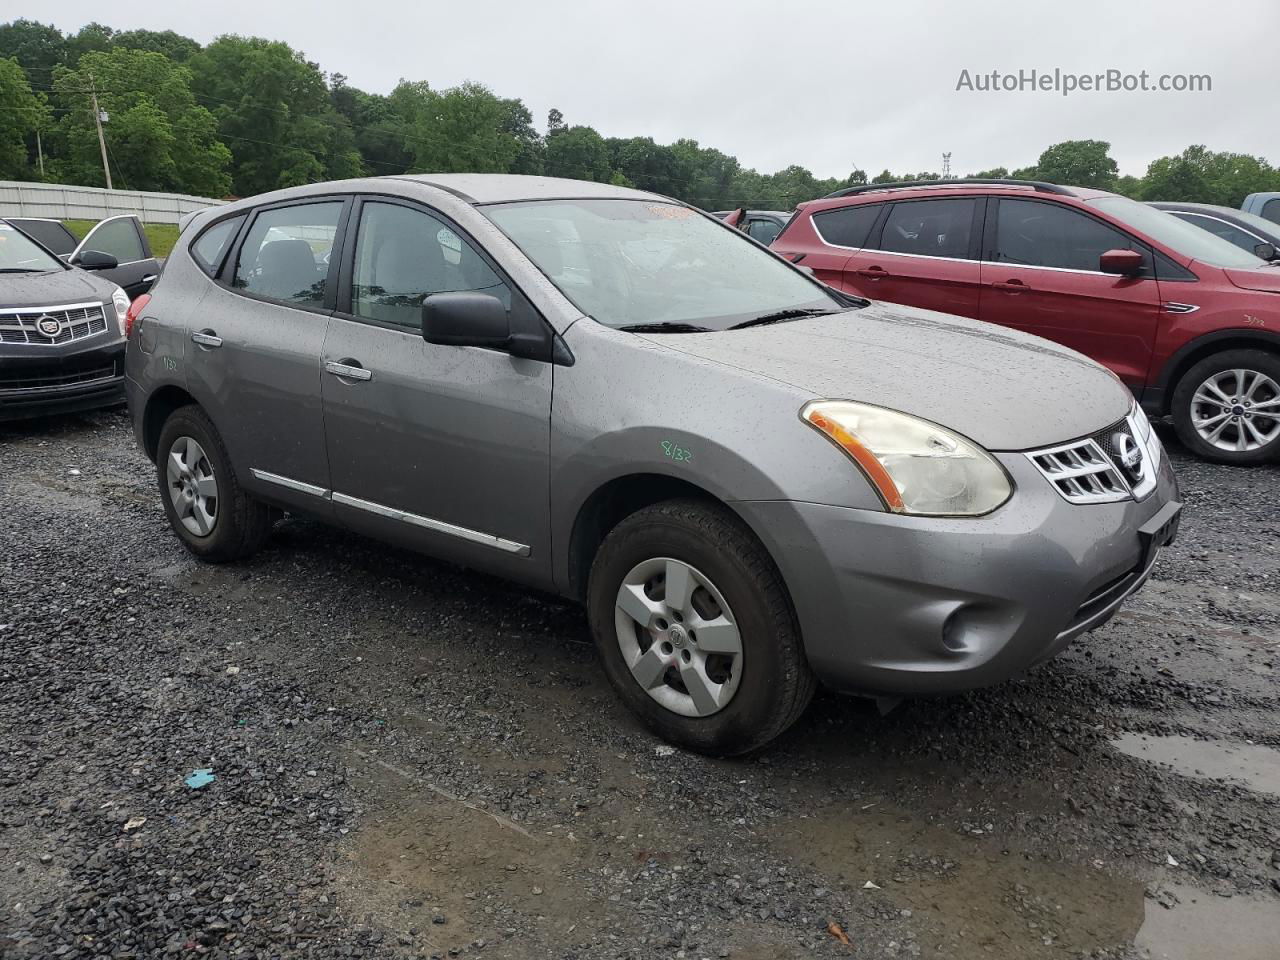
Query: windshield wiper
(666, 326)
(780, 315)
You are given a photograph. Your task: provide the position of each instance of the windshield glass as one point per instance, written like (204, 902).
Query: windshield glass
(20, 253)
(627, 262)
(1187, 239)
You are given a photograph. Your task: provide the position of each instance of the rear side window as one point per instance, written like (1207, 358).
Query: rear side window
(51, 233)
(1271, 210)
(848, 226)
(286, 253)
(930, 228)
(119, 238)
(405, 255)
(1036, 234)
(211, 246)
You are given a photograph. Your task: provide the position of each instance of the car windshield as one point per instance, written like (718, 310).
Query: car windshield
(20, 254)
(630, 262)
(1187, 239)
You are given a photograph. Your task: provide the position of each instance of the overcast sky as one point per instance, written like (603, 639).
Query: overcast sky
(825, 85)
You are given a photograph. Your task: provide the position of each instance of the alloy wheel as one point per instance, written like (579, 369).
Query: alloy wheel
(1237, 410)
(678, 637)
(193, 488)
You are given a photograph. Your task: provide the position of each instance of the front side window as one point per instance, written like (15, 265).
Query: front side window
(211, 246)
(118, 238)
(1034, 234)
(930, 228)
(626, 262)
(1178, 235)
(848, 226)
(286, 254)
(764, 230)
(20, 254)
(405, 255)
(1220, 228)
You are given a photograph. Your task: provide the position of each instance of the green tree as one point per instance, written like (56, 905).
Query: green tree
(462, 129)
(1199, 175)
(173, 45)
(274, 114)
(995, 173)
(580, 153)
(158, 137)
(22, 113)
(91, 37)
(1078, 163)
(37, 47)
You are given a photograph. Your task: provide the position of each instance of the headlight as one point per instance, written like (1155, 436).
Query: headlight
(120, 300)
(918, 467)
(1146, 435)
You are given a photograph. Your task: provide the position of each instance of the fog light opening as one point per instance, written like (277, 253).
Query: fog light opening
(953, 632)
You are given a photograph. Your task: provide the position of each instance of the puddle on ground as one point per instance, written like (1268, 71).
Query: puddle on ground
(1251, 765)
(1201, 926)
(969, 895)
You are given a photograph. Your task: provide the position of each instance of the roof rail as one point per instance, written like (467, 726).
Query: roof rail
(1039, 185)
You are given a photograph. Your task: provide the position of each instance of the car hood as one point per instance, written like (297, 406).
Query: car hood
(1003, 389)
(1266, 280)
(56, 288)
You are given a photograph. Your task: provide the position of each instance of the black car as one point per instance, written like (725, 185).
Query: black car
(1259, 236)
(62, 329)
(121, 237)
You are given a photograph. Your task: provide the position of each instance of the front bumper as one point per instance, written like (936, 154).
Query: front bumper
(36, 382)
(896, 605)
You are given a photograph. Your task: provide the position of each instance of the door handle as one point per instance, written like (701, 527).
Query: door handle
(1011, 286)
(207, 339)
(150, 278)
(873, 273)
(348, 369)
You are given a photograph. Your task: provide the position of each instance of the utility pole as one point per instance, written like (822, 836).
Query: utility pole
(40, 154)
(97, 119)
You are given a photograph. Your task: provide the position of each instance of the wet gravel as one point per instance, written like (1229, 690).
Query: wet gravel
(414, 760)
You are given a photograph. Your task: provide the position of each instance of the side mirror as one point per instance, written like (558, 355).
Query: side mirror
(465, 319)
(1266, 251)
(1126, 263)
(95, 260)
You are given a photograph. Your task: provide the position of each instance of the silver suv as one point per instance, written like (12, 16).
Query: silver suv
(752, 482)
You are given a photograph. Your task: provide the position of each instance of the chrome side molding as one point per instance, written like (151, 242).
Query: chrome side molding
(292, 484)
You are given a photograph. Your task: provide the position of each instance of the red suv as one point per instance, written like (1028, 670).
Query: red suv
(1189, 321)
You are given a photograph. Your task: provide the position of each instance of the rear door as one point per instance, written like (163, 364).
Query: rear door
(256, 342)
(923, 253)
(123, 238)
(1042, 276)
(839, 234)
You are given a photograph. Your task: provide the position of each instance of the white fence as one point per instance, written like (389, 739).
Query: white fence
(59, 202)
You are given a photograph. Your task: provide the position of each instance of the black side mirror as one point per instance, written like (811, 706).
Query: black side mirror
(465, 319)
(1266, 251)
(95, 260)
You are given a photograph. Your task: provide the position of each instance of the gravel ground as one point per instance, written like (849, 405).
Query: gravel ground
(413, 760)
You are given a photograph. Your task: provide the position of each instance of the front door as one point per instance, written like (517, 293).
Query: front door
(441, 448)
(1042, 276)
(924, 254)
(123, 238)
(253, 360)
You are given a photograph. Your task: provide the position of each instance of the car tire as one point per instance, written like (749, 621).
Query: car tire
(1205, 393)
(231, 527)
(763, 689)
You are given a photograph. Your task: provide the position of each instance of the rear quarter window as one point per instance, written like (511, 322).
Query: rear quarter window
(210, 247)
(847, 226)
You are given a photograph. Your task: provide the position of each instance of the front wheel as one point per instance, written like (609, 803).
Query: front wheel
(1226, 408)
(695, 629)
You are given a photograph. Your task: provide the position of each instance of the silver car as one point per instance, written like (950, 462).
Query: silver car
(752, 482)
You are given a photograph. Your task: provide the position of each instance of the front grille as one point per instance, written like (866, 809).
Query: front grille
(13, 380)
(75, 322)
(1093, 470)
(1082, 472)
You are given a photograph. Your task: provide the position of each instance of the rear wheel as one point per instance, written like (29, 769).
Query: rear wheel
(1227, 407)
(695, 629)
(212, 516)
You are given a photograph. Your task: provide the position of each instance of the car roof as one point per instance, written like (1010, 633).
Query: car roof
(872, 193)
(1191, 207)
(508, 187)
